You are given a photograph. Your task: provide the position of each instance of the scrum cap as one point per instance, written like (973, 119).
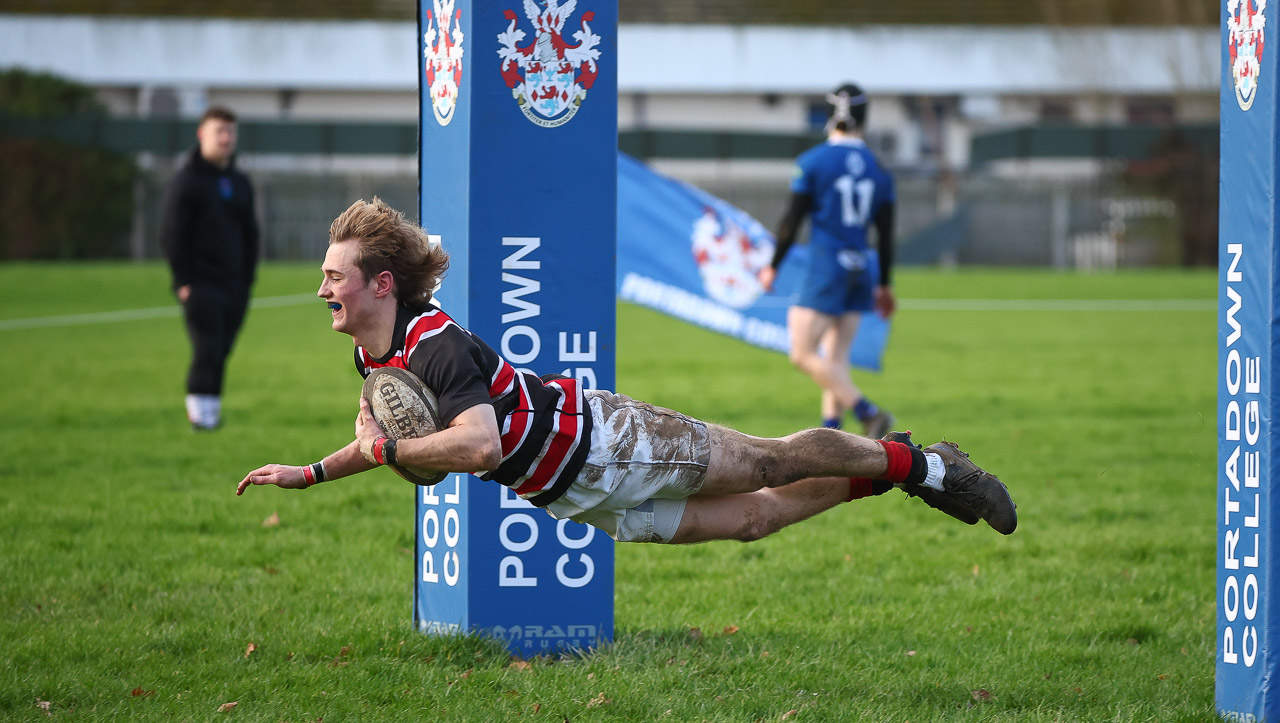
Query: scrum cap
(849, 108)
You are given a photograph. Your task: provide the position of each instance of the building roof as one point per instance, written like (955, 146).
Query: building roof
(652, 58)
(726, 12)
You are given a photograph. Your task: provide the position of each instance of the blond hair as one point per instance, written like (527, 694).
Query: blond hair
(390, 242)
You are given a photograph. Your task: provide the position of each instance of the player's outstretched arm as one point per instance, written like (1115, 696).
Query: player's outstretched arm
(342, 463)
(470, 443)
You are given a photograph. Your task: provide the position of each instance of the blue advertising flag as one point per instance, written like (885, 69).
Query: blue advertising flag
(686, 253)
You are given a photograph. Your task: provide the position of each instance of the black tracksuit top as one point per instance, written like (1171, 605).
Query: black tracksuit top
(209, 232)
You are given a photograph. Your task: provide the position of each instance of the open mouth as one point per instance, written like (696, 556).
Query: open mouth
(334, 306)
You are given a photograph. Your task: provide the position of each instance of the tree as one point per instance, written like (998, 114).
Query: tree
(58, 200)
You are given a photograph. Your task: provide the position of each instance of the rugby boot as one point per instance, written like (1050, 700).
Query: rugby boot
(878, 424)
(937, 500)
(975, 488)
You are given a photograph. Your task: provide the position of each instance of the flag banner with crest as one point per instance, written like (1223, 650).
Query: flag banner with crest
(688, 254)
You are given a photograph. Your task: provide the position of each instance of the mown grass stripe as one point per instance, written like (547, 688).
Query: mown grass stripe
(1003, 305)
(157, 312)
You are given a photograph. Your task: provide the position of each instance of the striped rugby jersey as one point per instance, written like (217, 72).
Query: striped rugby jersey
(546, 428)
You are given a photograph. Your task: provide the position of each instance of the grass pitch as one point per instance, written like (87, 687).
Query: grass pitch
(136, 585)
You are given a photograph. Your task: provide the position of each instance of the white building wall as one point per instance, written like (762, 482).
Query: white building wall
(1198, 107)
(741, 78)
(672, 59)
(917, 59)
(723, 111)
(355, 105)
(120, 101)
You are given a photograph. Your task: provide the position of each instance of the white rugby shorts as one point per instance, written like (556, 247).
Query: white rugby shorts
(644, 462)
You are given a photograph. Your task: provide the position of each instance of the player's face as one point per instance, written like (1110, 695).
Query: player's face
(349, 296)
(217, 140)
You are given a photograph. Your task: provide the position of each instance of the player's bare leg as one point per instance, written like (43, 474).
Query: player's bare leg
(831, 409)
(740, 463)
(820, 348)
(743, 463)
(806, 328)
(753, 515)
(829, 346)
(835, 345)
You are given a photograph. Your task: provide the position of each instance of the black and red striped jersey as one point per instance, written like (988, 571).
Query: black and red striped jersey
(546, 428)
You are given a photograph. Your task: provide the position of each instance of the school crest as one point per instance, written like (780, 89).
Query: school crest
(549, 77)
(1246, 27)
(442, 53)
(728, 259)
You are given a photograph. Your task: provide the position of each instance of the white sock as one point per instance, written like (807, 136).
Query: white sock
(937, 470)
(193, 408)
(212, 410)
(204, 409)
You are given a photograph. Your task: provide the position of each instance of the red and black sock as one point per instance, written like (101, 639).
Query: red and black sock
(906, 463)
(860, 487)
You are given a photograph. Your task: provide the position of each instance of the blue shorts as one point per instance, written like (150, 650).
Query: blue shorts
(838, 281)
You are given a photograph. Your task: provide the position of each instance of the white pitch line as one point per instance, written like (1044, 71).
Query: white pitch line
(158, 312)
(1032, 304)
(1104, 305)
(1007, 305)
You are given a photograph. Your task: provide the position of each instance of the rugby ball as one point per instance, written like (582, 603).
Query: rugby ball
(405, 409)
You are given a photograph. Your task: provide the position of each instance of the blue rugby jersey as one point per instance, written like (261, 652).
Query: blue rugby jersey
(847, 185)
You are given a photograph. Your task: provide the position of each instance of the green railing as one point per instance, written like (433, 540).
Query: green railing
(130, 135)
(1127, 142)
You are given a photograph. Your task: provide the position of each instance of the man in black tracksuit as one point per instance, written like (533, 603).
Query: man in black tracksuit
(210, 235)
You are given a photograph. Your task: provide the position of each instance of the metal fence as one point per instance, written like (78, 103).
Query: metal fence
(306, 173)
(1092, 224)
(979, 219)
(294, 208)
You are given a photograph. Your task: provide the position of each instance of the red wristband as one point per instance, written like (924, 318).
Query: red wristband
(379, 455)
(308, 475)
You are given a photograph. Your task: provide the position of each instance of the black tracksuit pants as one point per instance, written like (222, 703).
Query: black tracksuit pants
(213, 315)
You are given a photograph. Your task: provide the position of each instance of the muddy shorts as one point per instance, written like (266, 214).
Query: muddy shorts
(643, 464)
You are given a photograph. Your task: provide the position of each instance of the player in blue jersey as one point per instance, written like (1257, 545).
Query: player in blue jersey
(844, 191)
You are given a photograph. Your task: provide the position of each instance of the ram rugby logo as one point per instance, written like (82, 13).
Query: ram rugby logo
(548, 77)
(1245, 35)
(442, 50)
